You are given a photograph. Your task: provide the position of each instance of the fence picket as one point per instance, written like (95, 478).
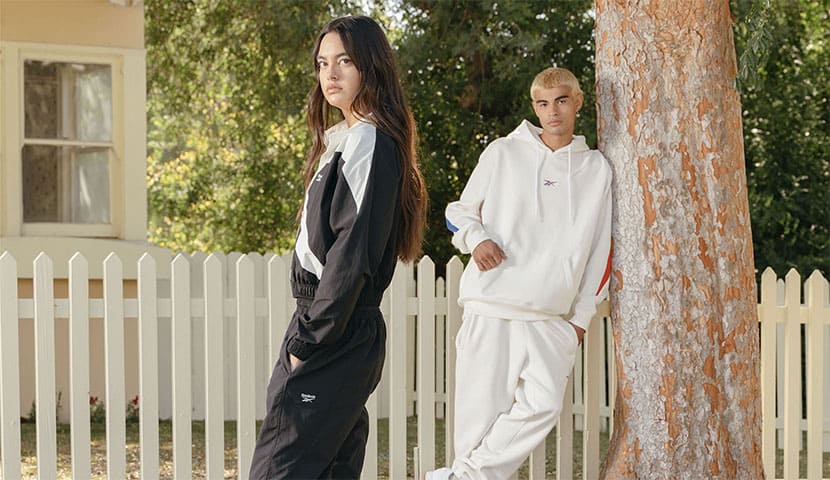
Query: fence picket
(792, 374)
(114, 366)
(213, 342)
(609, 373)
(370, 465)
(592, 347)
(277, 305)
(260, 347)
(245, 330)
(197, 332)
(9, 373)
(536, 462)
(79, 365)
(564, 436)
(47, 466)
(382, 390)
(148, 367)
(768, 313)
(164, 310)
(426, 364)
(440, 356)
(229, 340)
(781, 325)
(180, 324)
(578, 374)
(454, 313)
(397, 340)
(411, 359)
(816, 299)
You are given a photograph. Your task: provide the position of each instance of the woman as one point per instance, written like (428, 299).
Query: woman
(364, 208)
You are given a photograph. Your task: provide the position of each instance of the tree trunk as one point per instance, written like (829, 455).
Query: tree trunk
(683, 285)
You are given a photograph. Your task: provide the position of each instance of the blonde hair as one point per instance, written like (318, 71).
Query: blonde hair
(555, 77)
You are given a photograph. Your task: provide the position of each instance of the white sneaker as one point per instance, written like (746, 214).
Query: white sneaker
(440, 474)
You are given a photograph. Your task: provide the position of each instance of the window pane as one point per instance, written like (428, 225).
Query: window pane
(40, 100)
(69, 101)
(65, 184)
(91, 186)
(94, 104)
(40, 184)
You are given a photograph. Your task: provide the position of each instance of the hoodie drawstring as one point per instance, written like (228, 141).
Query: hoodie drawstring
(540, 159)
(570, 193)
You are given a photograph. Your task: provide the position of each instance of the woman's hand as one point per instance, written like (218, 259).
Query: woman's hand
(488, 255)
(295, 362)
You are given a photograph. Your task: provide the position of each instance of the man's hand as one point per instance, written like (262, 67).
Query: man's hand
(488, 255)
(295, 362)
(580, 332)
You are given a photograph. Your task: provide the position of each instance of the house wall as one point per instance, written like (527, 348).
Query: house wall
(94, 31)
(72, 22)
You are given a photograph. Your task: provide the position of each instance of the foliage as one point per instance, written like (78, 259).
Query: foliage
(227, 84)
(97, 412)
(787, 131)
(132, 411)
(468, 66)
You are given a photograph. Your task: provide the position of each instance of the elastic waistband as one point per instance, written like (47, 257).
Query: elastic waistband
(305, 302)
(507, 312)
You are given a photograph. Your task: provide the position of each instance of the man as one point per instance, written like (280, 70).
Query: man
(536, 215)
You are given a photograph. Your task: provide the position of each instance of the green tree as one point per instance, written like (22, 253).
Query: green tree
(227, 82)
(468, 66)
(786, 113)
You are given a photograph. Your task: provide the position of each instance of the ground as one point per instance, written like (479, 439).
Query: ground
(28, 447)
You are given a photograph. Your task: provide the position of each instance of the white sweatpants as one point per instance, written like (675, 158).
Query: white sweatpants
(511, 377)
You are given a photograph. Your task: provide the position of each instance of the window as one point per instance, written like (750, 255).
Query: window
(67, 142)
(73, 150)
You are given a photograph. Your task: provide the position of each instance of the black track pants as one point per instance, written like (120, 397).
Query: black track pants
(316, 424)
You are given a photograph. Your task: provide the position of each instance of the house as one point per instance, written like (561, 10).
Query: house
(73, 154)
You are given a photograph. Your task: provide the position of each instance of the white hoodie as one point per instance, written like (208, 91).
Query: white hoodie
(551, 214)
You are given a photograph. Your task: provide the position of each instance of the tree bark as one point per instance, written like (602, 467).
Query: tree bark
(683, 285)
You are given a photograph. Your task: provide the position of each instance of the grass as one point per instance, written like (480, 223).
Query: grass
(440, 454)
(98, 451)
(99, 468)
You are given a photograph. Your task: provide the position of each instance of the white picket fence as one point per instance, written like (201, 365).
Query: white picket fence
(209, 334)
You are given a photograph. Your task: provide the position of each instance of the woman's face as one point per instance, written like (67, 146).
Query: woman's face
(338, 75)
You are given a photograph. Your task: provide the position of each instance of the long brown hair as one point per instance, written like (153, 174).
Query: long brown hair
(380, 95)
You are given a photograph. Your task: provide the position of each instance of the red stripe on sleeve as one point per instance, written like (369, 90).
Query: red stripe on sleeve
(607, 274)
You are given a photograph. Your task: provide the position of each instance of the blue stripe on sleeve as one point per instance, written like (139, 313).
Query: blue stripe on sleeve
(450, 226)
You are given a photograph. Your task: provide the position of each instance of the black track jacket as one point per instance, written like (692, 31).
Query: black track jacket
(345, 253)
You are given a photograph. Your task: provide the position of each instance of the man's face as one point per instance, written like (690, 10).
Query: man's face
(556, 108)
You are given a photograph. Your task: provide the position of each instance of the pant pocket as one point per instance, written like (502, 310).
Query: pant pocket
(572, 331)
(462, 338)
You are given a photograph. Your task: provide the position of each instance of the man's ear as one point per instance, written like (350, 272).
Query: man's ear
(579, 98)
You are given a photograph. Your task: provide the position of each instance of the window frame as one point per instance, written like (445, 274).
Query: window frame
(14, 57)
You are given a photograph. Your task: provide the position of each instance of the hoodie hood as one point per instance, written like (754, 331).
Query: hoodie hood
(528, 132)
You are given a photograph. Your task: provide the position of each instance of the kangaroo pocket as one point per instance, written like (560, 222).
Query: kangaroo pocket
(542, 285)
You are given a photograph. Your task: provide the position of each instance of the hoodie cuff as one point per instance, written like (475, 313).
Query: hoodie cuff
(475, 237)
